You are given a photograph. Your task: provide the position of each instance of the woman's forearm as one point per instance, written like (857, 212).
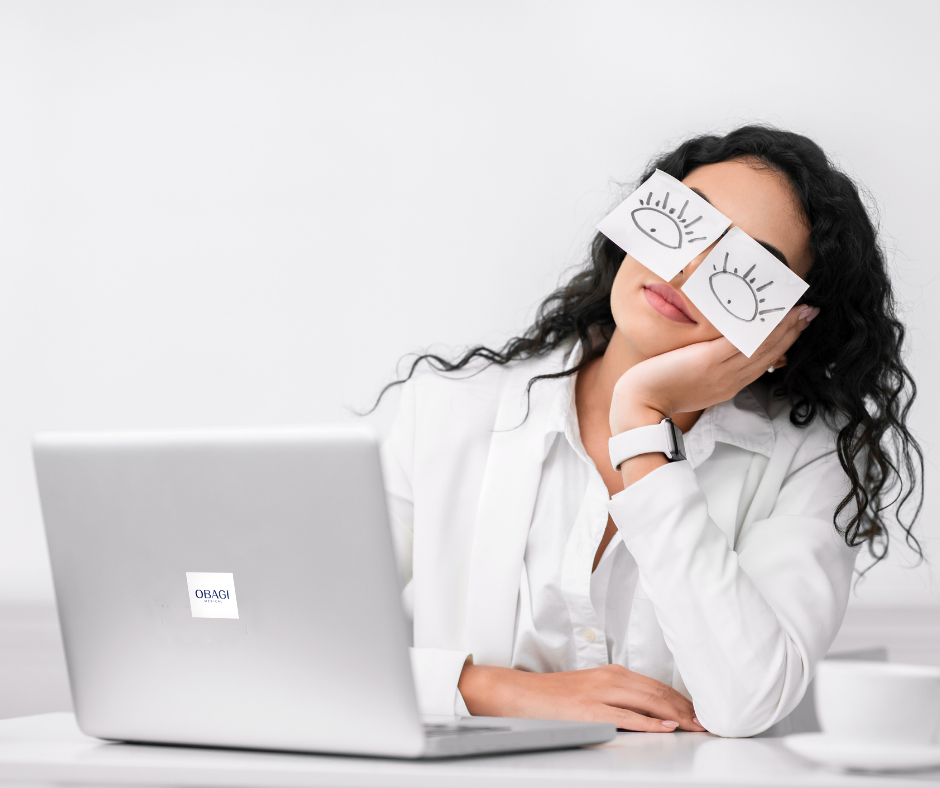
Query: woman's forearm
(746, 650)
(484, 690)
(606, 694)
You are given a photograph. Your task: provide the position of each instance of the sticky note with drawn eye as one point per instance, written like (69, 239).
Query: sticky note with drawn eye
(743, 290)
(664, 225)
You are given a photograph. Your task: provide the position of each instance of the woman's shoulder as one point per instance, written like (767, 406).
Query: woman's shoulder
(446, 416)
(481, 383)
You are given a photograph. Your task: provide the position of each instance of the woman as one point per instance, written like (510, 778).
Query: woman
(696, 594)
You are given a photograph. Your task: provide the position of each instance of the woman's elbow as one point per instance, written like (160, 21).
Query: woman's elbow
(733, 726)
(745, 708)
(746, 716)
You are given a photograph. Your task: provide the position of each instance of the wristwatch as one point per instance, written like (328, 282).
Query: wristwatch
(664, 437)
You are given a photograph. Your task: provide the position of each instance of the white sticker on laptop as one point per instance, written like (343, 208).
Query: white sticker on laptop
(212, 594)
(743, 290)
(664, 225)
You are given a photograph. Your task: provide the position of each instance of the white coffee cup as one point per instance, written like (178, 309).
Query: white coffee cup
(878, 701)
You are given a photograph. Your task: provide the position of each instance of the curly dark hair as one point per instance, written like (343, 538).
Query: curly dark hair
(846, 367)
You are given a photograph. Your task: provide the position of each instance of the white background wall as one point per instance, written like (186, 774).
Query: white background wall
(230, 213)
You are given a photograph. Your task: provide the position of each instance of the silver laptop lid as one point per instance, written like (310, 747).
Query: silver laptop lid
(229, 588)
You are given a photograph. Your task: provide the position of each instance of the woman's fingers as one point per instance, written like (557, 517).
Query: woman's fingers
(652, 703)
(631, 680)
(784, 328)
(723, 349)
(781, 338)
(774, 346)
(632, 721)
(645, 695)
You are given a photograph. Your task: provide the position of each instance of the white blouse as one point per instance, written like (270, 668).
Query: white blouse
(569, 618)
(726, 579)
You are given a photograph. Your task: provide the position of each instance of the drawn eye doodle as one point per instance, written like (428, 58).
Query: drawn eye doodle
(657, 222)
(737, 294)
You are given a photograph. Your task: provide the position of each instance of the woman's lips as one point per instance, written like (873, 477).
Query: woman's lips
(667, 302)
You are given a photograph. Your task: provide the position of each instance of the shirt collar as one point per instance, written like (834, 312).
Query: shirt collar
(741, 421)
(563, 415)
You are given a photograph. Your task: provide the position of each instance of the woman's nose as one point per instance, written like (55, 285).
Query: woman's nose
(679, 279)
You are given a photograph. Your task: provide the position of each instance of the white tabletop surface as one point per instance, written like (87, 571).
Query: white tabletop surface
(49, 748)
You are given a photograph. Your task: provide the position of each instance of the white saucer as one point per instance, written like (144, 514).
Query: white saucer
(867, 755)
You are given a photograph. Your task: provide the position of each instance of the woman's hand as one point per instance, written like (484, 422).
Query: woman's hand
(694, 377)
(608, 694)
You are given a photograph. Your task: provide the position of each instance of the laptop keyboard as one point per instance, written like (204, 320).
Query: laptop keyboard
(432, 730)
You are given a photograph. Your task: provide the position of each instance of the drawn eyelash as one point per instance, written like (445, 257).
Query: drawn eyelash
(737, 294)
(660, 223)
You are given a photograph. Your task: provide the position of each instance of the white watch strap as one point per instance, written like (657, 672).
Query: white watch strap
(645, 440)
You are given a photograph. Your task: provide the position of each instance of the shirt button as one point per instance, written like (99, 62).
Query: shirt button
(589, 635)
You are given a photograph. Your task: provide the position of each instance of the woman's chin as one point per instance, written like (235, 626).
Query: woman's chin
(655, 336)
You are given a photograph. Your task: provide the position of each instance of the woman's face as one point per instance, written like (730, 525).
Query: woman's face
(758, 200)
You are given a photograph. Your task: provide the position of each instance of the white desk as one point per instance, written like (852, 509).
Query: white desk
(49, 748)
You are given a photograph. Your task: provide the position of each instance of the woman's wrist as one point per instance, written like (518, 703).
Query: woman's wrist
(636, 468)
(634, 417)
(483, 688)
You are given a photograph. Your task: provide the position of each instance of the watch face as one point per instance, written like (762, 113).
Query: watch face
(680, 448)
(675, 441)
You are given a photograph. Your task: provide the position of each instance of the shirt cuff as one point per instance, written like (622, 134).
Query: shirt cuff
(630, 508)
(436, 673)
(460, 707)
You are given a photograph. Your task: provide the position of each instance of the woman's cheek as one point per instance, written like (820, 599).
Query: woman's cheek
(626, 295)
(640, 325)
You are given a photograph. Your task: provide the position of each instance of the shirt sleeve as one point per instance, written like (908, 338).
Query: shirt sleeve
(436, 671)
(397, 455)
(746, 626)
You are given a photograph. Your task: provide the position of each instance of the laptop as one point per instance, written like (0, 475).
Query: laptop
(239, 589)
